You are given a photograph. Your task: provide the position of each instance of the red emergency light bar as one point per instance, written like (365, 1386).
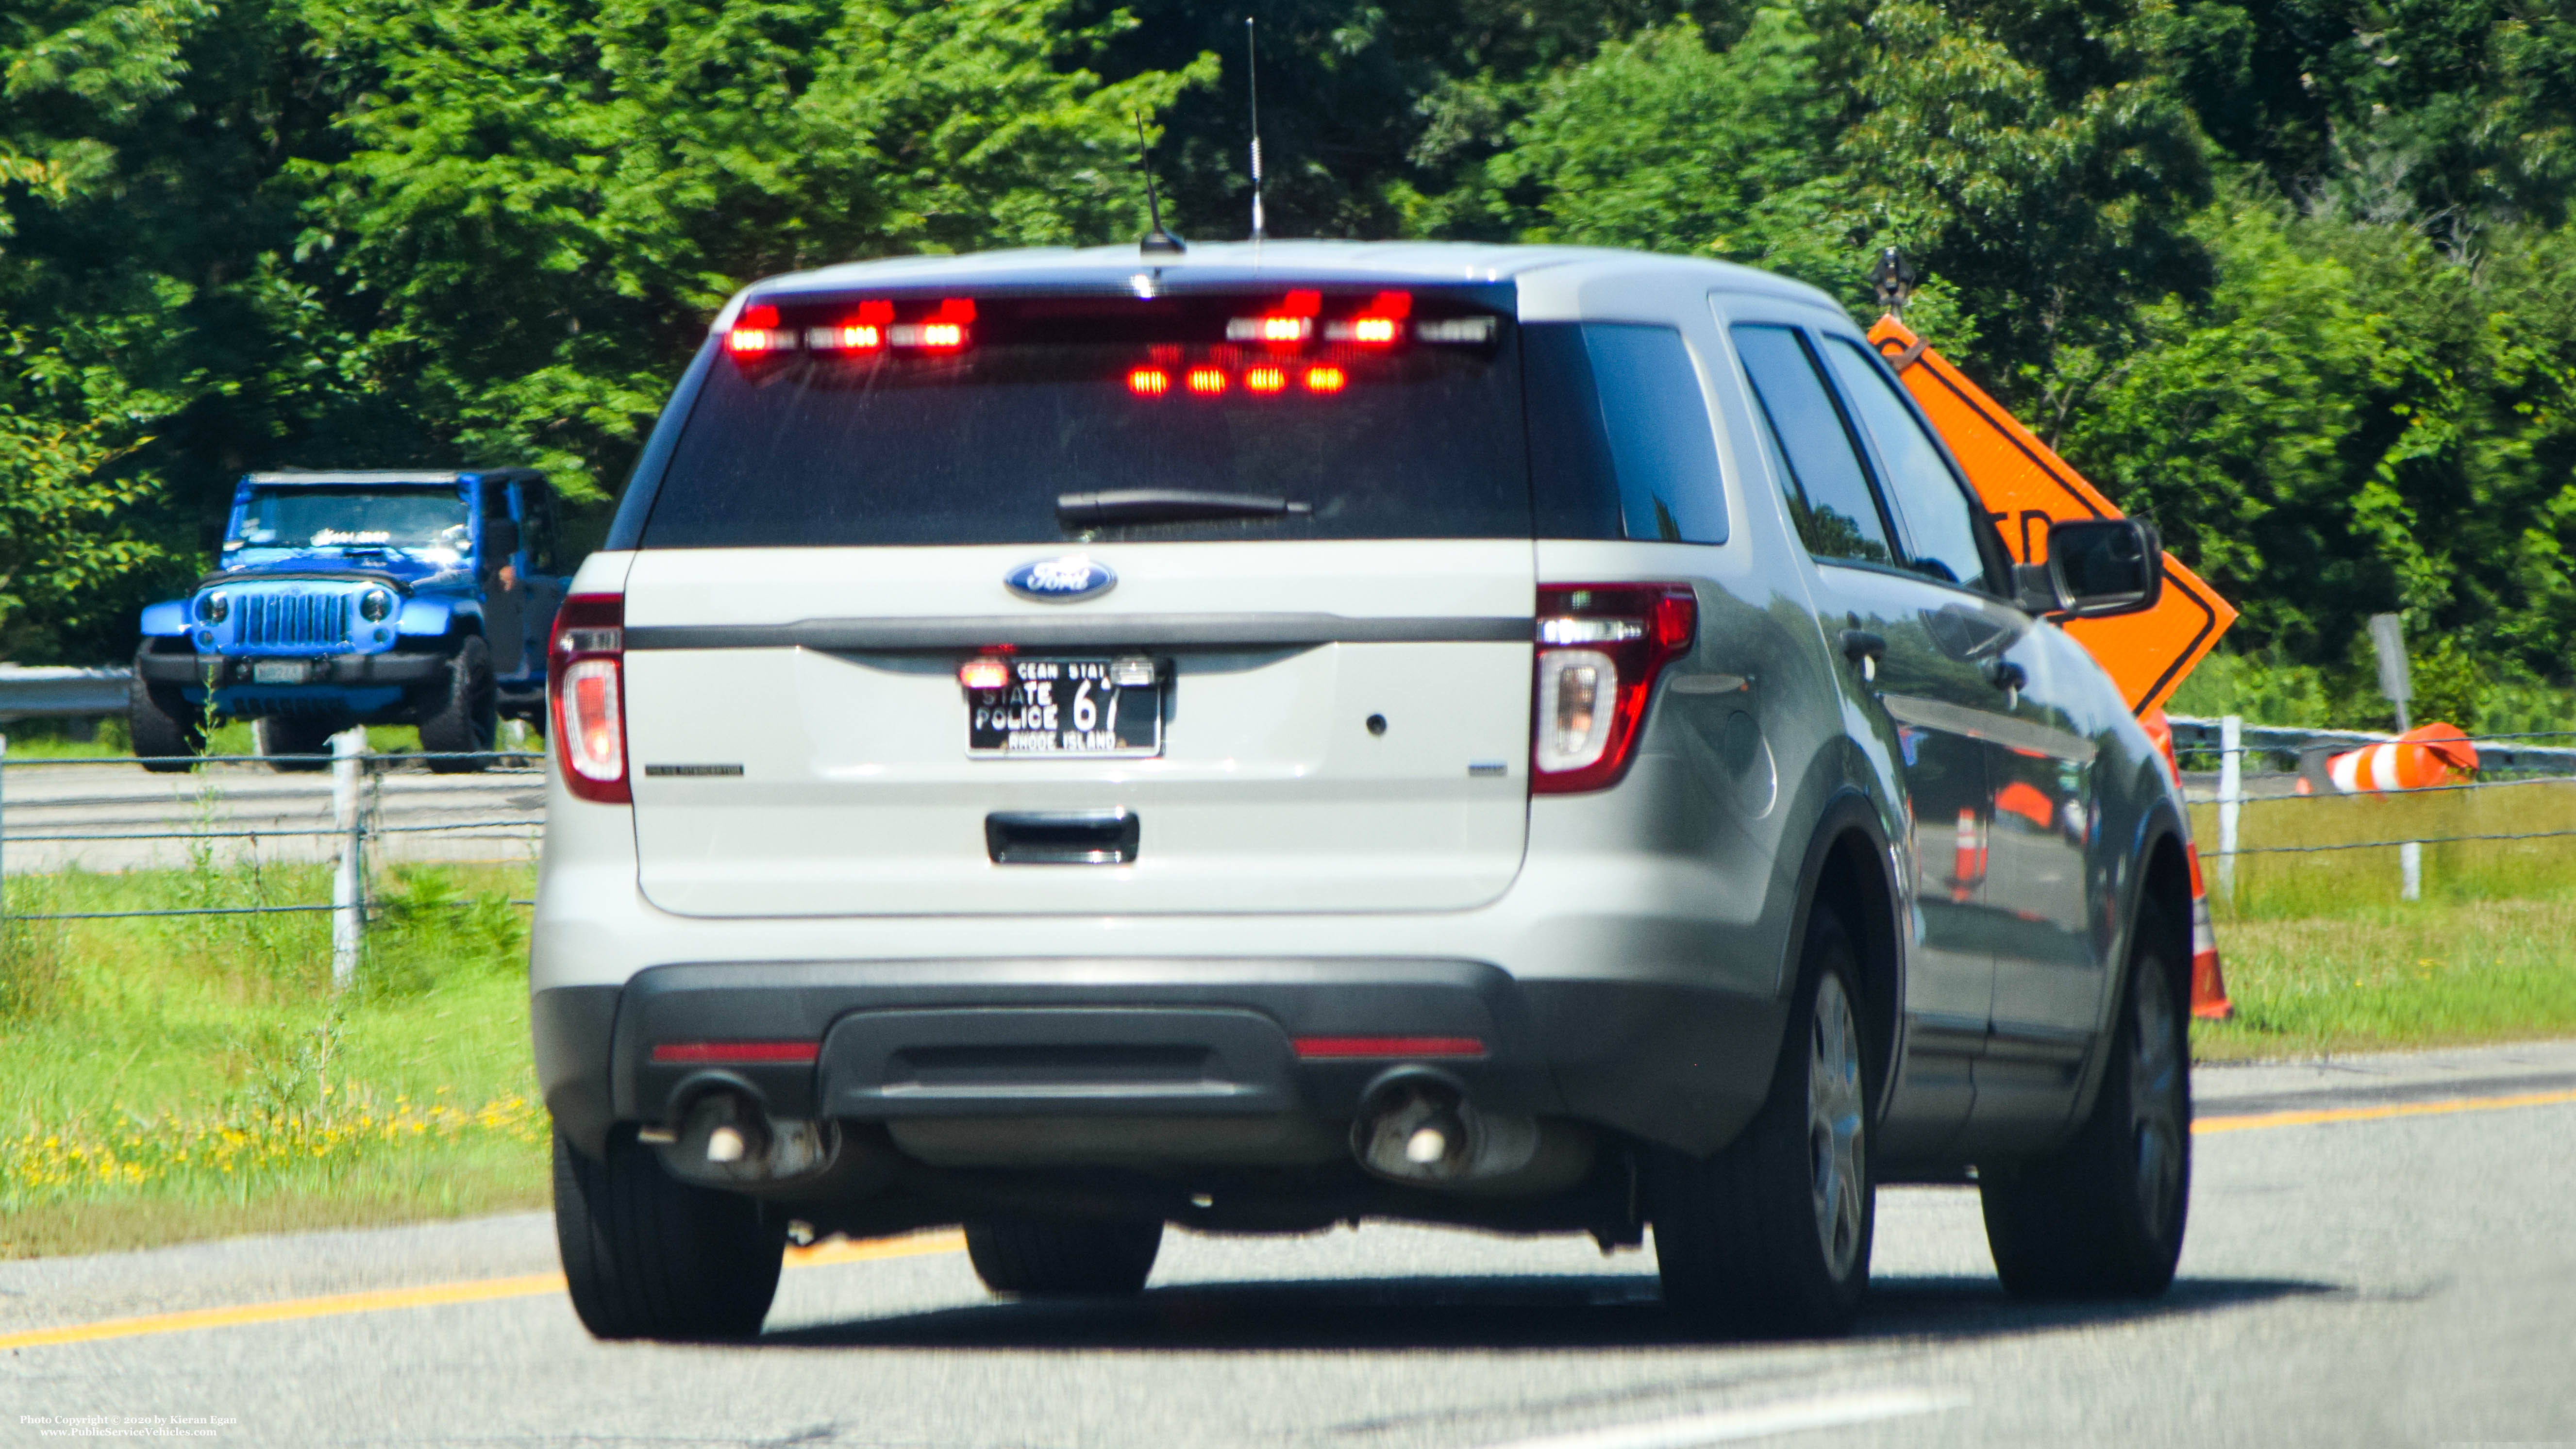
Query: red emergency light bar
(869, 327)
(756, 332)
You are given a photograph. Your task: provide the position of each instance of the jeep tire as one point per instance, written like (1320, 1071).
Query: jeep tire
(460, 710)
(2102, 1216)
(292, 743)
(648, 1256)
(1772, 1235)
(1063, 1258)
(167, 734)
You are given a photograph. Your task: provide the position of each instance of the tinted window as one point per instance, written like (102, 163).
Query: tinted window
(1827, 489)
(1056, 395)
(1941, 526)
(1657, 423)
(1574, 484)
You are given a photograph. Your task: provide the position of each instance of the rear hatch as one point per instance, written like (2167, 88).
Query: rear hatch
(1214, 602)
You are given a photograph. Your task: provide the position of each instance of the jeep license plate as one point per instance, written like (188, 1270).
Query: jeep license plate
(1069, 707)
(279, 671)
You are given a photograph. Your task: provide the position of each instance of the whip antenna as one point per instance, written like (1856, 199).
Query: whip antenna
(1156, 242)
(1252, 77)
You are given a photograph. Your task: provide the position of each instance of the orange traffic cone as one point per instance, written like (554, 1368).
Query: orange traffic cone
(2208, 985)
(2425, 755)
(1967, 859)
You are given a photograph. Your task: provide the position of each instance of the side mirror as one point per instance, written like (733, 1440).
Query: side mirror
(2097, 568)
(501, 538)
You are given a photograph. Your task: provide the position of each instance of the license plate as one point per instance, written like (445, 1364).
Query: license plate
(278, 671)
(1087, 708)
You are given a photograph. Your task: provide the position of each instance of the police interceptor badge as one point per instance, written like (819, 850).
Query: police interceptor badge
(1061, 580)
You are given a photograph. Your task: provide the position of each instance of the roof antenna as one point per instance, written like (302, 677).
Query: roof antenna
(1158, 242)
(1252, 77)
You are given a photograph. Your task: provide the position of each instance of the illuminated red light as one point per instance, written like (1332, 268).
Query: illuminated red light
(984, 673)
(848, 337)
(1373, 329)
(757, 331)
(1324, 379)
(1207, 381)
(1149, 382)
(946, 336)
(709, 1053)
(1330, 1048)
(1265, 379)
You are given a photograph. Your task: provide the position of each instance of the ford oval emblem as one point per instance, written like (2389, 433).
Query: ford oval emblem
(1061, 580)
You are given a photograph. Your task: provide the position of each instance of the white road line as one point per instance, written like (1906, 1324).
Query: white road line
(1757, 1421)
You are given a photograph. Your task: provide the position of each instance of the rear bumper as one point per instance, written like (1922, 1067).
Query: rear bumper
(1163, 1037)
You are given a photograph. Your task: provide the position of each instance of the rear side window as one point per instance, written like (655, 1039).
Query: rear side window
(1359, 414)
(1830, 500)
(1620, 440)
(1941, 526)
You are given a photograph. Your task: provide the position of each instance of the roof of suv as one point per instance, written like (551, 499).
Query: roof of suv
(346, 476)
(1219, 264)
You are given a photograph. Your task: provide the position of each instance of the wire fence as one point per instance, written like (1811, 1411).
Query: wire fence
(58, 807)
(2282, 781)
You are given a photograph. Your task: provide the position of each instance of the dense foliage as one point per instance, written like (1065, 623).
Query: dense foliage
(2297, 277)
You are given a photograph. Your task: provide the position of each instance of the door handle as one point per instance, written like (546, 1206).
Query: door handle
(1865, 649)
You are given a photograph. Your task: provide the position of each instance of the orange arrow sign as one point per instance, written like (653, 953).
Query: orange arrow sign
(2026, 487)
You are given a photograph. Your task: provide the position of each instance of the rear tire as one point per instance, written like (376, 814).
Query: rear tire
(1773, 1233)
(648, 1256)
(462, 713)
(168, 735)
(1063, 1258)
(292, 743)
(2102, 1216)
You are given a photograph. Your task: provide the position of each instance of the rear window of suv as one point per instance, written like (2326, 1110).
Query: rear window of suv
(849, 421)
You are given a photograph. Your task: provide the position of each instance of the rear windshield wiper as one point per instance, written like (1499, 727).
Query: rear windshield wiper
(1168, 505)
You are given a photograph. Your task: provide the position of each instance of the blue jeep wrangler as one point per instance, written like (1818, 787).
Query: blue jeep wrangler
(416, 598)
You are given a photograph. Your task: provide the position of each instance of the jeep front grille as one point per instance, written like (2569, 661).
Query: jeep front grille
(293, 620)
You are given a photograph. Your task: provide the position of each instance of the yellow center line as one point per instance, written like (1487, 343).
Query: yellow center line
(2255, 1120)
(478, 1290)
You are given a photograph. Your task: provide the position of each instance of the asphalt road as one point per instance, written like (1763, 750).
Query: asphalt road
(2370, 1262)
(121, 817)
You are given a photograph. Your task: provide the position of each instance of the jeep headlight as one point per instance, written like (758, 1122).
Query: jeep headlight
(374, 605)
(213, 607)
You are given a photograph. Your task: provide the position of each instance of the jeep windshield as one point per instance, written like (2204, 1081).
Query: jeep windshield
(1282, 414)
(419, 518)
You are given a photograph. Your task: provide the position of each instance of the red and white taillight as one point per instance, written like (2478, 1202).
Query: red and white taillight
(586, 689)
(1600, 647)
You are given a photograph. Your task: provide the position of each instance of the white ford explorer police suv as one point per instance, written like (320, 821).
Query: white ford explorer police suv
(1075, 742)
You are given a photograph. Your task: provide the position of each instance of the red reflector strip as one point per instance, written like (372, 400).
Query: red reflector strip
(1328, 1048)
(706, 1053)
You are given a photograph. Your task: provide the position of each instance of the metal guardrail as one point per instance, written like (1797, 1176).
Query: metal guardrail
(52, 692)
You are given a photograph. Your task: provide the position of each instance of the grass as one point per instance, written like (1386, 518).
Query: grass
(182, 1078)
(2323, 955)
(2386, 977)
